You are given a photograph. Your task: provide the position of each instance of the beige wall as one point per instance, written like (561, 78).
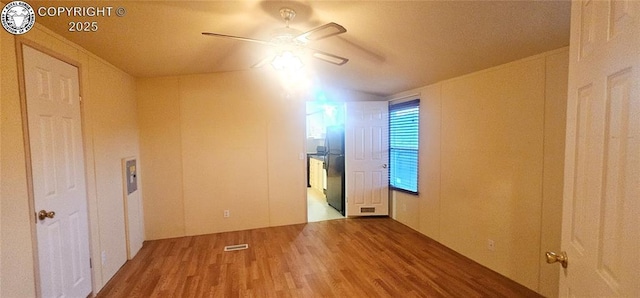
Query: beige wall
(110, 115)
(491, 164)
(16, 273)
(110, 133)
(1, 74)
(219, 142)
(161, 155)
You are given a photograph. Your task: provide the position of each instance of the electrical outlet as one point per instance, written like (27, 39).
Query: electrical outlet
(226, 213)
(104, 257)
(491, 245)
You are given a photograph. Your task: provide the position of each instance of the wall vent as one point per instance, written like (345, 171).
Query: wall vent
(236, 247)
(367, 209)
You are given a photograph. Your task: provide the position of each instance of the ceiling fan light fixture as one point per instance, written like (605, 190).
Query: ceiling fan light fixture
(287, 40)
(286, 61)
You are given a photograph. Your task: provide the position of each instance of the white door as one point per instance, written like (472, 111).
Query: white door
(601, 211)
(367, 155)
(55, 139)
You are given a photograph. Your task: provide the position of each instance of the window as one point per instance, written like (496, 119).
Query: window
(403, 145)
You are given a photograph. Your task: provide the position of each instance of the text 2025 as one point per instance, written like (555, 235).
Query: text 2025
(83, 26)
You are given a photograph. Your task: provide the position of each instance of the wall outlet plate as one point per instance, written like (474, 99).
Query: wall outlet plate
(226, 213)
(491, 245)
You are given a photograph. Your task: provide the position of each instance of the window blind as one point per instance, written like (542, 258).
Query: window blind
(404, 120)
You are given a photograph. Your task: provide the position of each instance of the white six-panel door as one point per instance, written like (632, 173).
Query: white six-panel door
(601, 211)
(367, 155)
(55, 138)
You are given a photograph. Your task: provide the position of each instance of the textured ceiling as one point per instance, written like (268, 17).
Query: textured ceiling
(392, 45)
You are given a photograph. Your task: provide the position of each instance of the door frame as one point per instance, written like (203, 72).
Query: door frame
(19, 43)
(341, 106)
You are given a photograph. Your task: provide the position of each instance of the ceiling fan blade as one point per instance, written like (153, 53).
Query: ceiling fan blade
(321, 32)
(264, 42)
(263, 62)
(331, 58)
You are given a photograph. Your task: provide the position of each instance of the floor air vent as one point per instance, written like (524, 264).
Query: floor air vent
(236, 247)
(367, 209)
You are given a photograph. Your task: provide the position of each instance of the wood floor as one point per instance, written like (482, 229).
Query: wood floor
(365, 257)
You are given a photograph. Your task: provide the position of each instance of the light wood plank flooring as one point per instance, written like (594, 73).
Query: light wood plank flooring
(362, 257)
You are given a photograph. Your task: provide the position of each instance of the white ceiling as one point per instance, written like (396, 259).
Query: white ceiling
(392, 45)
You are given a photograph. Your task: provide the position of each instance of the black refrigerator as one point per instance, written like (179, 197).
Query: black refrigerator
(334, 163)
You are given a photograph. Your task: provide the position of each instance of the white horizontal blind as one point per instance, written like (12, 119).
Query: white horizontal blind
(404, 120)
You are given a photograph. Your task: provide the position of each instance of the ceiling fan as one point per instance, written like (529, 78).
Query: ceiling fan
(289, 42)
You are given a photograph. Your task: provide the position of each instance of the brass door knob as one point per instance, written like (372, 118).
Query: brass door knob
(44, 214)
(562, 258)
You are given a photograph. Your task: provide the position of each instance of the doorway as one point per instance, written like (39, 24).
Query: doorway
(325, 171)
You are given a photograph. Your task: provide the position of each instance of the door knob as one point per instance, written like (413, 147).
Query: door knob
(562, 258)
(384, 166)
(44, 214)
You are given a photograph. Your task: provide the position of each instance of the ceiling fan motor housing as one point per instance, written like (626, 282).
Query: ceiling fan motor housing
(287, 36)
(287, 14)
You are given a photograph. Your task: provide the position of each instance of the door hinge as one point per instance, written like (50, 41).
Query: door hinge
(90, 263)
